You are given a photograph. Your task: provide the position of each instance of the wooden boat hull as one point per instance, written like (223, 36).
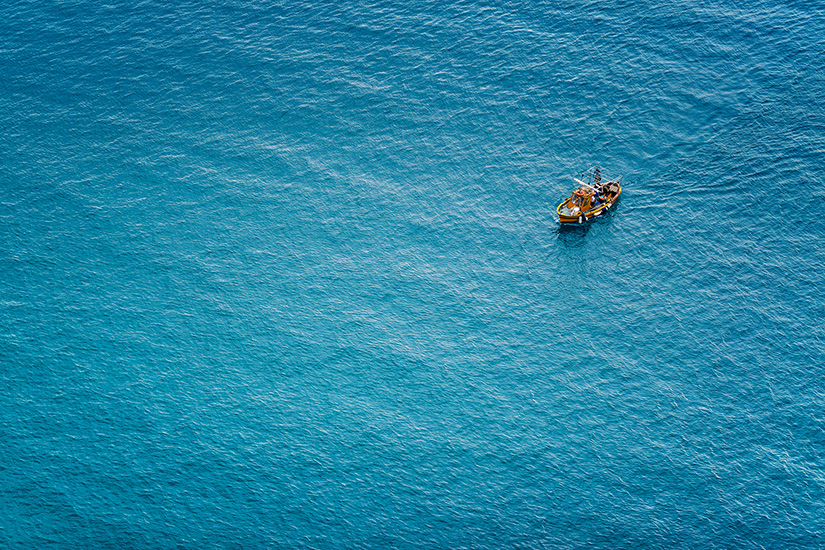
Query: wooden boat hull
(582, 217)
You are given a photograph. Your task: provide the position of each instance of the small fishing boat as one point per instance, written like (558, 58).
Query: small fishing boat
(595, 195)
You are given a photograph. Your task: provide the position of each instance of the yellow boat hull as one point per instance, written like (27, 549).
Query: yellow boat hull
(581, 217)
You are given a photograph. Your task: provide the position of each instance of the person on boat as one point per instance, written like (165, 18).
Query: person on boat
(597, 177)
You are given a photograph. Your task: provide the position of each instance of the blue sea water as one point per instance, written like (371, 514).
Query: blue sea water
(288, 275)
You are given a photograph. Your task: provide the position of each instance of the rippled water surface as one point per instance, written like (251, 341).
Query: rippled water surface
(288, 275)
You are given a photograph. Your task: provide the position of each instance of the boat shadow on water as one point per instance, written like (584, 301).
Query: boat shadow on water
(573, 235)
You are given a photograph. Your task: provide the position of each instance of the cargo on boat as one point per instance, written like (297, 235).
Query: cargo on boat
(596, 194)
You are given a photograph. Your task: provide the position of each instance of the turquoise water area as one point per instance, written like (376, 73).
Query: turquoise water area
(288, 275)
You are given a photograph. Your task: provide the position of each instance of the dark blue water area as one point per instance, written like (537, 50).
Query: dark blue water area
(289, 275)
